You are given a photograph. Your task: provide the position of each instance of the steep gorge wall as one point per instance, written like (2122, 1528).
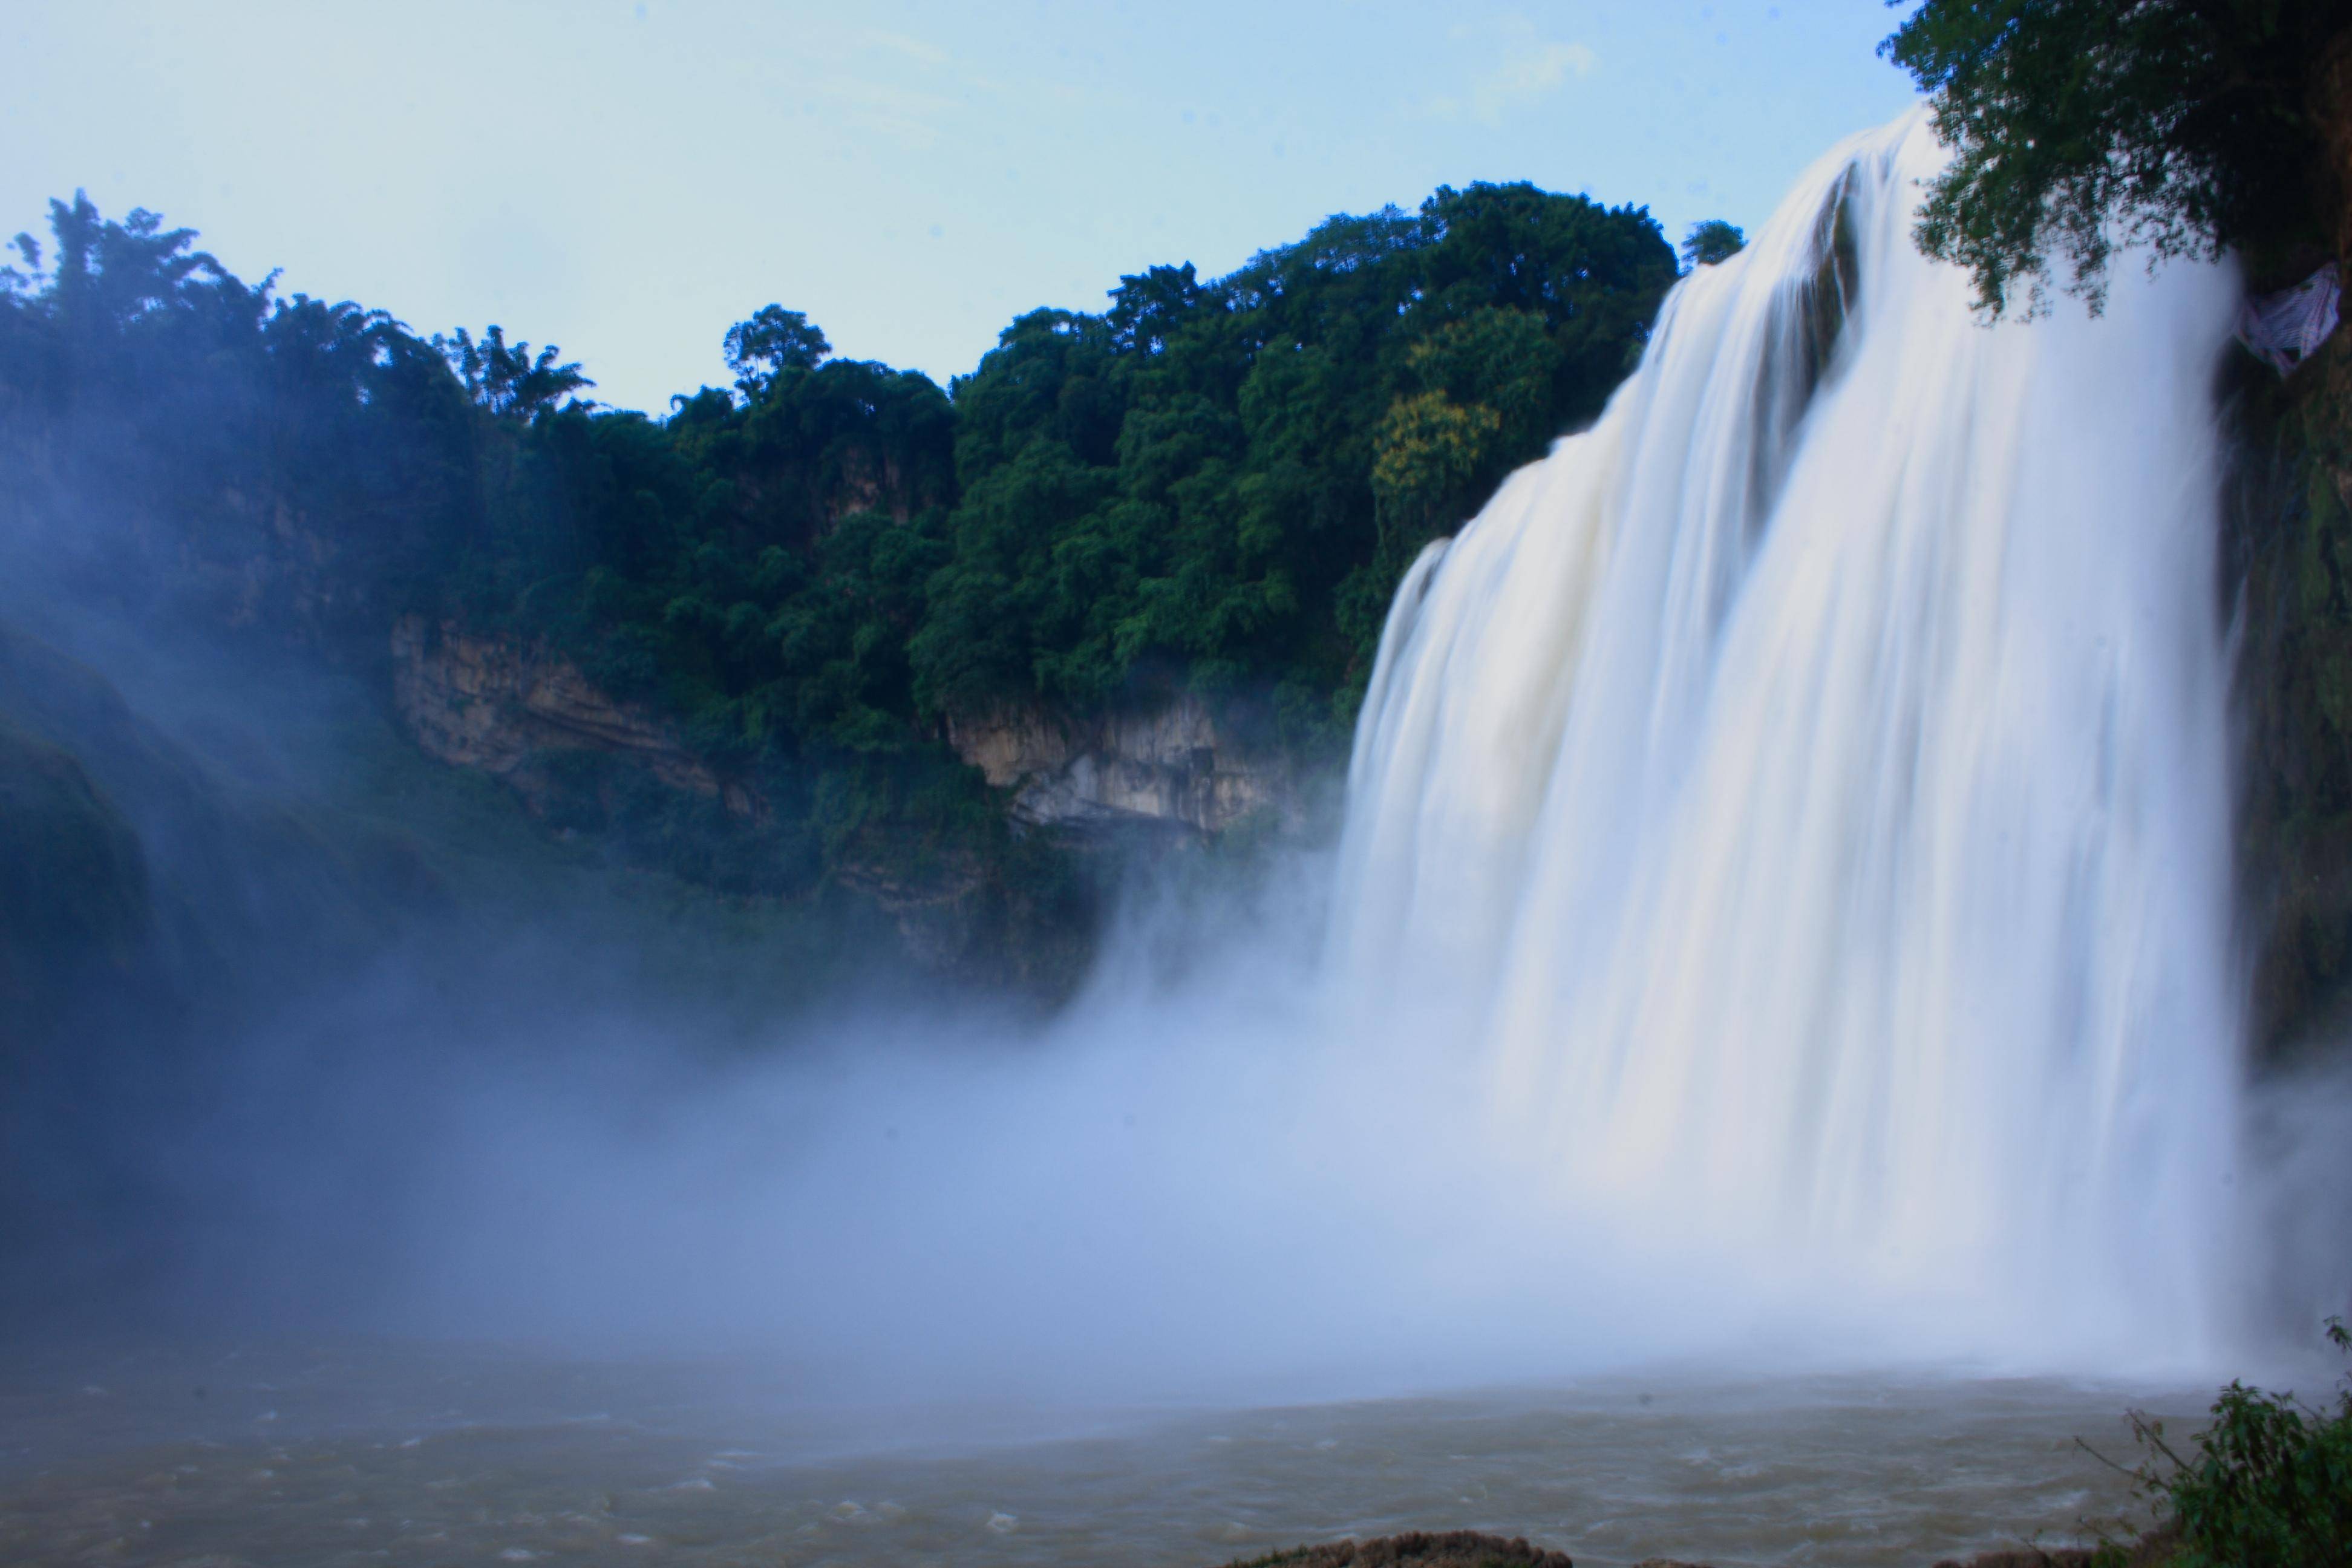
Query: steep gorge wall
(2289, 527)
(2290, 521)
(502, 706)
(1079, 793)
(505, 708)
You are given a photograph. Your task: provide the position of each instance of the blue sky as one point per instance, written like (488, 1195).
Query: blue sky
(626, 179)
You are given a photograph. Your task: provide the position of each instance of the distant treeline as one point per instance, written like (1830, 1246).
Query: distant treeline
(1213, 483)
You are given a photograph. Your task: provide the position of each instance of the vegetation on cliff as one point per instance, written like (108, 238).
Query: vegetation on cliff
(1213, 484)
(1226, 478)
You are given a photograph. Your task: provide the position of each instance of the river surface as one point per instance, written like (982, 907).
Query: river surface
(374, 1454)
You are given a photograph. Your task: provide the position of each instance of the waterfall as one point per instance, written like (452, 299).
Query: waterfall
(1801, 802)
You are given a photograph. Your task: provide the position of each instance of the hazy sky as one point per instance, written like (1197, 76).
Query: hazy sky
(627, 178)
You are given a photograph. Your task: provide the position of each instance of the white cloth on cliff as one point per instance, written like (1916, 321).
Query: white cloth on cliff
(2287, 328)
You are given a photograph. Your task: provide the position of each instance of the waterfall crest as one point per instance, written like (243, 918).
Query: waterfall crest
(1801, 801)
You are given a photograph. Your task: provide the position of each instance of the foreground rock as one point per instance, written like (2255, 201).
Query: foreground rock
(2151, 1551)
(1452, 1549)
(1468, 1549)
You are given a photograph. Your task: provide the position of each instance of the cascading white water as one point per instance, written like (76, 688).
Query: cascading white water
(1804, 795)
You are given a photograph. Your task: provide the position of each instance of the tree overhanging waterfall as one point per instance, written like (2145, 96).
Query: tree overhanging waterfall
(1802, 800)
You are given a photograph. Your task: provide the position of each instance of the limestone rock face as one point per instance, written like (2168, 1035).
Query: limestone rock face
(1165, 766)
(500, 707)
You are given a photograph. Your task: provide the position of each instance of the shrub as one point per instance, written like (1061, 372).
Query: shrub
(2267, 1485)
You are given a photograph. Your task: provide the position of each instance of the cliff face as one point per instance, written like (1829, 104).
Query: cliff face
(996, 909)
(1165, 766)
(2291, 533)
(511, 709)
(982, 909)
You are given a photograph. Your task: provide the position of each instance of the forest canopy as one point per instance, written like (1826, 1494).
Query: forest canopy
(1213, 483)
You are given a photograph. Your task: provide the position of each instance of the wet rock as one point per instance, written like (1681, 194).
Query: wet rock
(1418, 1549)
(2152, 1550)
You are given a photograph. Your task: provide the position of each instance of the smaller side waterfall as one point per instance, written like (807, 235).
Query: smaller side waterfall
(1802, 799)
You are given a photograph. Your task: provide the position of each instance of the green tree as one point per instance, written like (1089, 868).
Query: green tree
(1217, 481)
(505, 378)
(1428, 448)
(2267, 1485)
(1710, 242)
(2188, 126)
(773, 340)
(174, 433)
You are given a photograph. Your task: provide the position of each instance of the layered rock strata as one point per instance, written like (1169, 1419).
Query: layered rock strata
(1168, 766)
(502, 707)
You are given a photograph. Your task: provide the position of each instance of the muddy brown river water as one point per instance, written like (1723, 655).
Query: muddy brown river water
(385, 1454)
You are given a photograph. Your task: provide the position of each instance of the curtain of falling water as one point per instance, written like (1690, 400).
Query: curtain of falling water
(1804, 796)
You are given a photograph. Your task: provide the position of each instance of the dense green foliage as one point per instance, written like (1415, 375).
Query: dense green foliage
(2187, 125)
(1712, 241)
(2267, 1485)
(1213, 483)
(1224, 479)
(149, 397)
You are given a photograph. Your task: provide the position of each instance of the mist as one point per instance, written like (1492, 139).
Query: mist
(1213, 1178)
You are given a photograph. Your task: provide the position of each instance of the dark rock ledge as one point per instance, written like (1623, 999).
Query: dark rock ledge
(1468, 1549)
(1417, 1549)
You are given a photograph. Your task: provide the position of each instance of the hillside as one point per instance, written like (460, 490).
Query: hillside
(833, 627)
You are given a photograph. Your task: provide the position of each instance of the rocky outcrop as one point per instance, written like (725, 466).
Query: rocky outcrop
(289, 577)
(2288, 536)
(1168, 766)
(1418, 1549)
(1468, 1549)
(869, 481)
(505, 708)
(2290, 540)
(1015, 909)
